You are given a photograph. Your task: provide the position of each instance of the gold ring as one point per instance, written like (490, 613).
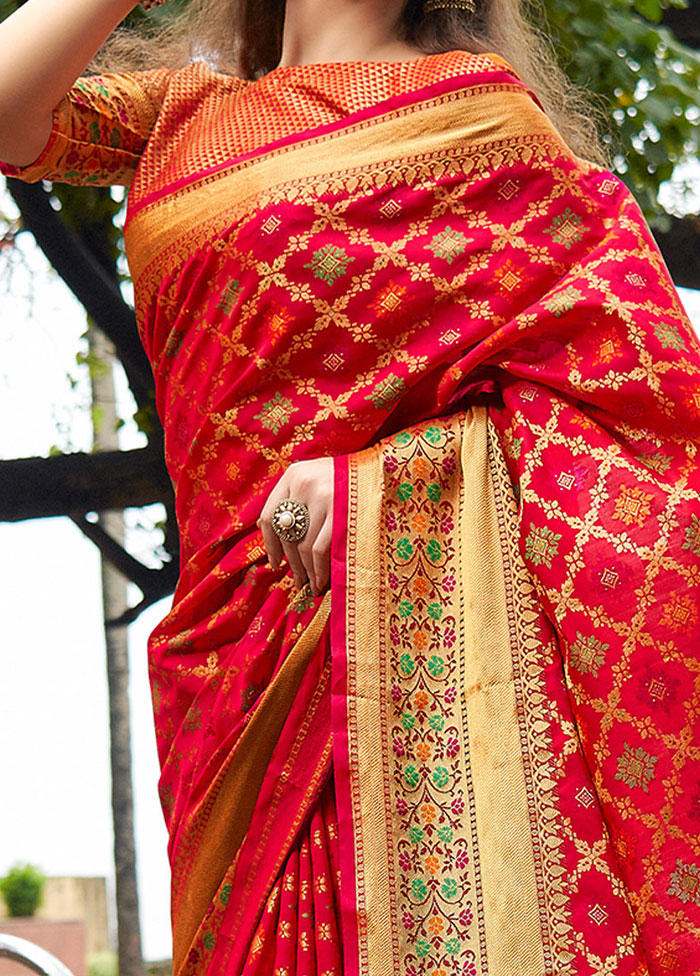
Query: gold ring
(290, 520)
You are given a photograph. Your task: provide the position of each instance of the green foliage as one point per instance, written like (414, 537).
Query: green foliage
(649, 81)
(103, 964)
(21, 889)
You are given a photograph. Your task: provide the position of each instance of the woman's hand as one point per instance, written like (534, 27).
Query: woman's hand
(310, 482)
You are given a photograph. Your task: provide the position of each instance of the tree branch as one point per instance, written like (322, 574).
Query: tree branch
(153, 583)
(88, 281)
(685, 23)
(47, 487)
(680, 247)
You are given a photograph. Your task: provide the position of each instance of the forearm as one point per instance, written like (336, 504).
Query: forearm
(46, 45)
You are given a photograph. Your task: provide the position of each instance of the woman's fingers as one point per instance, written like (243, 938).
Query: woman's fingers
(291, 551)
(272, 543)
(321, 552)
(311, 483)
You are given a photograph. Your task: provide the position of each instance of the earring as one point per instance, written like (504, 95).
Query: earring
(468, 6)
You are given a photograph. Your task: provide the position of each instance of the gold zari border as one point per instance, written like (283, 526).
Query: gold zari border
(510, 826)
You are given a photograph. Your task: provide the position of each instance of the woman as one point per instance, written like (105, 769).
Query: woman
(377, 285)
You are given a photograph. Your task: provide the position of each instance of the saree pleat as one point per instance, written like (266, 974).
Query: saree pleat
(298, 933)
(403, 267)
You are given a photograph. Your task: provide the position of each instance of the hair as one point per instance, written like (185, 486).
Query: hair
(244, 37)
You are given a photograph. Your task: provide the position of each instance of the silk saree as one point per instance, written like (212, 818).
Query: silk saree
(477, 754)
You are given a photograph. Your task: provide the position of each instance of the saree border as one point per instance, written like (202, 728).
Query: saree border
(466, 81)
(450, 140)
(516, 871)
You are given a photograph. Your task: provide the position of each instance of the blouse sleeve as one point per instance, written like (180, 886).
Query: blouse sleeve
(100, 129)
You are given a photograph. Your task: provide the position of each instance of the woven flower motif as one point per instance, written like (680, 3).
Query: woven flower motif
(691, 398)
(420, 700)
(636, 767)
(681, 612)
(276, 413)
(563, 301)
(566, 229)
(685, 883)
(692, 535)
(609, 346)
(448, 244)
(668, 335)
(587, 654)
(428, 812)
(329, 263)
(542, 545)
(387, 392)
(229, 296)
(632, 505)
(389, 300)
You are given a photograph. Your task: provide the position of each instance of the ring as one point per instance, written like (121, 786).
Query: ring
(290, 520)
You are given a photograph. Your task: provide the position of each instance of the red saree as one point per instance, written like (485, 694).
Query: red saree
(478, 753)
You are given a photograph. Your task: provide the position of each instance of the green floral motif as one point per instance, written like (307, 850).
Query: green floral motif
(656, 462)
(225, 894)
(434, 492)
(276, 413)
(514, 448)
(588, 654)
(423, 948)
(404, 492)
(303, 601)
(433, 550)
(387, 392)
(436, 666)
(636, 767)
(419, 889)
(437, 722)
(566, 229)
(433, 435)
(434, 611)
(448, 244)
(115, 138)
(685, 882)
(95, 131)
(403, 438)
(404, 549)
(407, 665)
(329, 263)
(229, 296)
(692, 535)
(406, 608)
(563, 301)
(415, 835)
(209, 940)
(193, 719)
(446, 834)
(411, 777)
(449, 888)
(541, 545)
(668, 335)
(441, 777)
(408, 720)
(452, 947)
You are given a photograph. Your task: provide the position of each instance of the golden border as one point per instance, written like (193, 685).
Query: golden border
(450, 125)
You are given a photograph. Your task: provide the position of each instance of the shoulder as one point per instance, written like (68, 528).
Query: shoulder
(198, 79)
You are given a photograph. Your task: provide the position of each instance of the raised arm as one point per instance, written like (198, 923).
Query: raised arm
(45, 46)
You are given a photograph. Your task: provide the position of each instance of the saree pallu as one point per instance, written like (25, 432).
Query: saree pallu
(477, 754)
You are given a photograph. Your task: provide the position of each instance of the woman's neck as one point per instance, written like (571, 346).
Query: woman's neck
(320, 31)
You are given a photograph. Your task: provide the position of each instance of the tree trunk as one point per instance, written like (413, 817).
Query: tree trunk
(114, 598)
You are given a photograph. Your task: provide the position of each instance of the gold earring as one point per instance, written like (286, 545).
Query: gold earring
(468, 6)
